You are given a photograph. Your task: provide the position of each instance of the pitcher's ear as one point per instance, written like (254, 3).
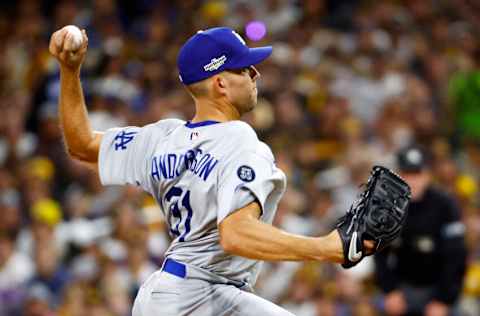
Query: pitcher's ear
(219, 84)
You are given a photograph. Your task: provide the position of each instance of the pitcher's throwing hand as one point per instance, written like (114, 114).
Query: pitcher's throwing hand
(69, 46)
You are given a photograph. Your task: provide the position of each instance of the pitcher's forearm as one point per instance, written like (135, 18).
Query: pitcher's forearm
(257, 240)
(79, 137)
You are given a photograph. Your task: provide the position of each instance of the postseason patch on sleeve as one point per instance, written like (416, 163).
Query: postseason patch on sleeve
(246, 173)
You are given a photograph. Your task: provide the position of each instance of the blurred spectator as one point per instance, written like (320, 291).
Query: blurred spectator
(37, 302)
(45, 214)
(422, 272)
(51, 275)
(10, 210)
(15, 270)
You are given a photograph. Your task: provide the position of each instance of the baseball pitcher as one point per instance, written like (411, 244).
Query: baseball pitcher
(216, 183)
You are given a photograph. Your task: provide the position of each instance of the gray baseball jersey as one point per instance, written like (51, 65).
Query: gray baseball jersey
(199, 173)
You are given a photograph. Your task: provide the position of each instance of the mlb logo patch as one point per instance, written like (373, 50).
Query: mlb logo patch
(194, 135)
(246, 173)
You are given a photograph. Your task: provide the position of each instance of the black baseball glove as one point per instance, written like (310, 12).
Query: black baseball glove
(378, 215)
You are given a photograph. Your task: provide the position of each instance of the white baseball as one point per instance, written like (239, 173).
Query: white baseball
(73, 38)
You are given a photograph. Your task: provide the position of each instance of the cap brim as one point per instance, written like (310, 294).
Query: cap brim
(255, 56)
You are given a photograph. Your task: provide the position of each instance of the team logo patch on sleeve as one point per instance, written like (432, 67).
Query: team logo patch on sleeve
(246, 173)
(122, 139)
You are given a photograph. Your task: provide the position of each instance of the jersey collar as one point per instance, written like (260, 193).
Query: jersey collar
(199, 124)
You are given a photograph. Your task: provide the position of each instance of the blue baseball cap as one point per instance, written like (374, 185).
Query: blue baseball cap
(215, 50)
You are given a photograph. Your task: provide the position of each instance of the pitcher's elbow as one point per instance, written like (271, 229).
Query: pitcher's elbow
(72, 153)
(79, 155)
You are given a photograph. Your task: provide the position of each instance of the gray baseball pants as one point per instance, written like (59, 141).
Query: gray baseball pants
(177, 294)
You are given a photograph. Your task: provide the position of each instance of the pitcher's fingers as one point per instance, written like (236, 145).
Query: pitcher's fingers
(84, 46)
(69, 43)
(54, 46)
(51, 46)
(60, 39)
(85, 37)
(63, 55)
(370, 246)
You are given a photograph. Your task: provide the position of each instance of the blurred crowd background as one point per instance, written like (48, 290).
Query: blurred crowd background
(348, 84)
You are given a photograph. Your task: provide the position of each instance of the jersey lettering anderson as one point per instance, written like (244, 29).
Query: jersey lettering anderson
(171, 165)
(199, 173)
